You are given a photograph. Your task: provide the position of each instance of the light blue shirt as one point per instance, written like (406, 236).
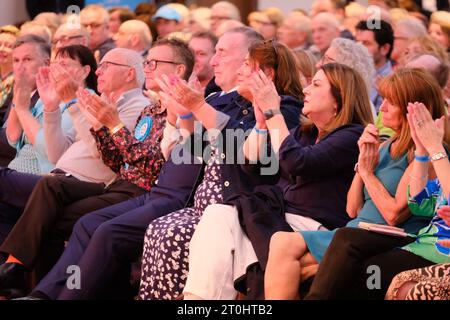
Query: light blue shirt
(34, 160)
(384, 71)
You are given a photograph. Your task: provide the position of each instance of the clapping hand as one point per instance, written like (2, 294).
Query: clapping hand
(429, 133)
(46, 89)
(21, 91)
(65, 84)
(190, 96)
(86, 100)
(263, 91)
(368, 150)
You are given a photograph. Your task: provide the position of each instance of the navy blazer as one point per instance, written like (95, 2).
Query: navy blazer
(233, 178)
(180, 181)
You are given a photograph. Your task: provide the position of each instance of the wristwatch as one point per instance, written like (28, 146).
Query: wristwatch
(271, 112)
(438, 156)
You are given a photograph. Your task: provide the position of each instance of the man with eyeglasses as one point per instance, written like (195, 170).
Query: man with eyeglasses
(94, 171)
(67, 35)
(222, 11)
(95, 19)
(106, 242)
(404, 30)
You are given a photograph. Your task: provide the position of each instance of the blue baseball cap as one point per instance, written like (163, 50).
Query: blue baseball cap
(168, 13)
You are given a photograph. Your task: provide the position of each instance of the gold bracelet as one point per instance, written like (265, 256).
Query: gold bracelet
(114, 130)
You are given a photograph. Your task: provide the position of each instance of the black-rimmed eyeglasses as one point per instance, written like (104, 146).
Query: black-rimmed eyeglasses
(153, 63)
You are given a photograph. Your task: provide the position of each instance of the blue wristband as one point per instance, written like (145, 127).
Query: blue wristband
(421, 158)
(186, 116)
(260, 131)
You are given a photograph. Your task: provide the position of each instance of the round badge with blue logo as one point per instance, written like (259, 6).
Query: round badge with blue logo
(143, 128)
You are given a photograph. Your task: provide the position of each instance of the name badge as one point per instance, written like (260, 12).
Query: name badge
(143, 128)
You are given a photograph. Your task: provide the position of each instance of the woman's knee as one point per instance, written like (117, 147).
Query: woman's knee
(287, 244)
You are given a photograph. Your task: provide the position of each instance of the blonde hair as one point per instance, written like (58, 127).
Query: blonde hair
(442, 18)
(275, 15)
(428, 46)
(411, 85)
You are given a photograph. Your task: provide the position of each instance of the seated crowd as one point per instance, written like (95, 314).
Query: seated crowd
(226, 159)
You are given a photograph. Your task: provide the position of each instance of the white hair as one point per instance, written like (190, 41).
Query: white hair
(356, 56)
(36, 29)
(228, 9)
(412, 26)
(202, 16)
(141, 29)
(134, 60)
(104, 15)
(327, 18)
(302, 22)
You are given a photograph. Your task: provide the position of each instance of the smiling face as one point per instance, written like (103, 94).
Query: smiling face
(203, 50)
(6, 44)
(438, 34)
(169, 67)
(319, 104)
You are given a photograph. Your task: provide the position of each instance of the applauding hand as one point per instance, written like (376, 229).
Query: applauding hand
(46, 90)
(22, 92)
(429, 133)
(263, 90)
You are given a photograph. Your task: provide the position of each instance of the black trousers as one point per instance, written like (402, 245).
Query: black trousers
(52, 210)
(355, 258)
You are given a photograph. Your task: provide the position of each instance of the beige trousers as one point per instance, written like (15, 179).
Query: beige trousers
(220, 251)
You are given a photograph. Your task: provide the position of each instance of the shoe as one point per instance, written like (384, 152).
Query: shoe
(12, 277)
(28, 298)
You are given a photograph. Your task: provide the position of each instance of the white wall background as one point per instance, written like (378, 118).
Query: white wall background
(12, 11)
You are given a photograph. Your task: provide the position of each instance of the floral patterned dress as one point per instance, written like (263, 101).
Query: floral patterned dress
(166, 245)
(433, 282)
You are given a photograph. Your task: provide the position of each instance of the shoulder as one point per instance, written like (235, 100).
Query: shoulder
(290, 101)
(347, 131)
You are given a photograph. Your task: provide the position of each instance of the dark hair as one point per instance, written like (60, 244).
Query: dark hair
(38, 41)
(124, 15)
(383, 35)
(85, 57)
(272, 54)
(206, 35)
(181, 53)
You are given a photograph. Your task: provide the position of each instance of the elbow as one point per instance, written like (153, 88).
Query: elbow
(352, 211)
(396, 217)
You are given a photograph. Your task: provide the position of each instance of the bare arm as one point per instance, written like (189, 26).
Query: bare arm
(394, 209)
(13, 128)
(355, 197)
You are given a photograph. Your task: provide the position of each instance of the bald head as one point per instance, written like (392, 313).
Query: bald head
(433, 65)
(120, 70)
(134, 35)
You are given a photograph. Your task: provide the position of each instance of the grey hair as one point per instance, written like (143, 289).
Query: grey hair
(228, 9)
(134, 60)
(356, 56)
(413, 27)
(104, 15)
